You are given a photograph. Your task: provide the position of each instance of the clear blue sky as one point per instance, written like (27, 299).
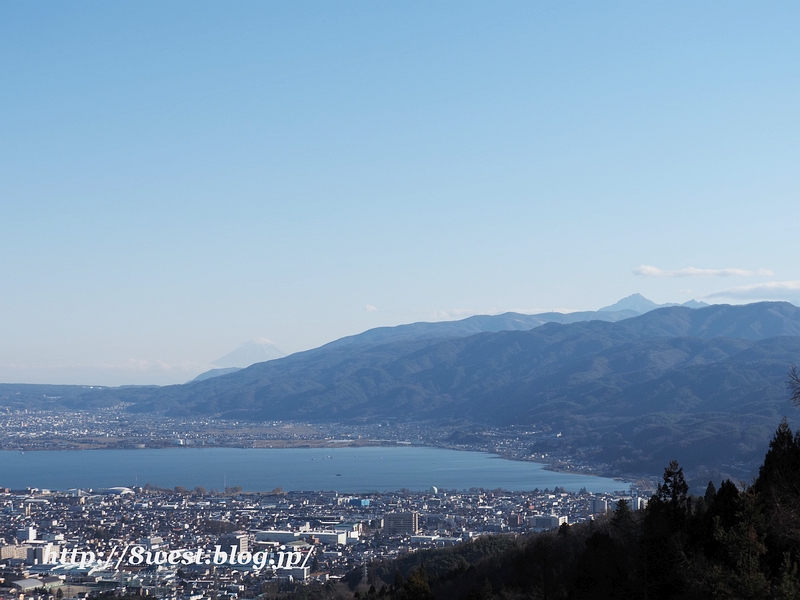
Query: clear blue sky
(179, 177)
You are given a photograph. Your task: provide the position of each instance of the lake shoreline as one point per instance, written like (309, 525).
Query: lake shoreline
(555, 466)
(356, 468)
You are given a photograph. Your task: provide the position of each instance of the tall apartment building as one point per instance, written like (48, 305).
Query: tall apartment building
(402, 522)
(548, 521)
(238, 540)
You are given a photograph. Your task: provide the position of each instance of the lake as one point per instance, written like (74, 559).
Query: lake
(354, 470)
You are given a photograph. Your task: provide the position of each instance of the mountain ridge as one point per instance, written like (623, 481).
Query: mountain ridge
(640, 304)
(696, 380)
(706, 382)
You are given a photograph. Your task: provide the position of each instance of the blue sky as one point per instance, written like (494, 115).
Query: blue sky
(177, 178)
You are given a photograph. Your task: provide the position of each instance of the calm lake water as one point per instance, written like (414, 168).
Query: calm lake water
(254, 469)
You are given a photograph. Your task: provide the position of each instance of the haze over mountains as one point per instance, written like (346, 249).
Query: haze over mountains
(704, 385)
(263, 349)
(628, 307)
(249, 353)
(257, 350)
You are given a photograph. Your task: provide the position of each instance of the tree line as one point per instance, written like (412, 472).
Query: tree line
(735, 541)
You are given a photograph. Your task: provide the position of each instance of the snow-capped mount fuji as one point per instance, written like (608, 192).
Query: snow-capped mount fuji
(249, 353)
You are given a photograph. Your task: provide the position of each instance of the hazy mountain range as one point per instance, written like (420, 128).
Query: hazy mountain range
(249, 353)
(704, 385)
(263, 349)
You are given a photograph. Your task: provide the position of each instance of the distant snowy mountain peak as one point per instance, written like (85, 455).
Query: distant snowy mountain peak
(254, 351)
(640, 304)
(635, 302)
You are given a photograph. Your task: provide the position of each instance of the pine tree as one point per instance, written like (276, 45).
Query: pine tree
(711, 493)
(663, 554)
(674, 490)
(416, 586)
(624, 526)
(674, 495)
(737, 571)
(485, 592)
(778, 490)
(788, 585)
(781, 466)
(602, 570)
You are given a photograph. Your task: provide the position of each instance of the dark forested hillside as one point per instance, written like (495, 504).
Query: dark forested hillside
(734, 541)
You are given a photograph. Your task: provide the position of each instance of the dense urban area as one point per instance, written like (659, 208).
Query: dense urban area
(200, 544)
(81, 543)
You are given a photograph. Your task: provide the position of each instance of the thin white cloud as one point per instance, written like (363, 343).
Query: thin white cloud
(371, 308)
(133, 364)
(463, 312)
(650, 271)
(134, 371)
(771, 290)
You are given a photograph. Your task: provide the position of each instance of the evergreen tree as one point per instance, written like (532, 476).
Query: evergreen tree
(548, 564)
(485, 592)
(623, 511)
(711, 493)
(663, 556)
(778, 489)
(788, 585)
(781, 466)
(625, 530)
(674, 492)
(601, 570)
(726, 504)
(737, 572)
(417, 586)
